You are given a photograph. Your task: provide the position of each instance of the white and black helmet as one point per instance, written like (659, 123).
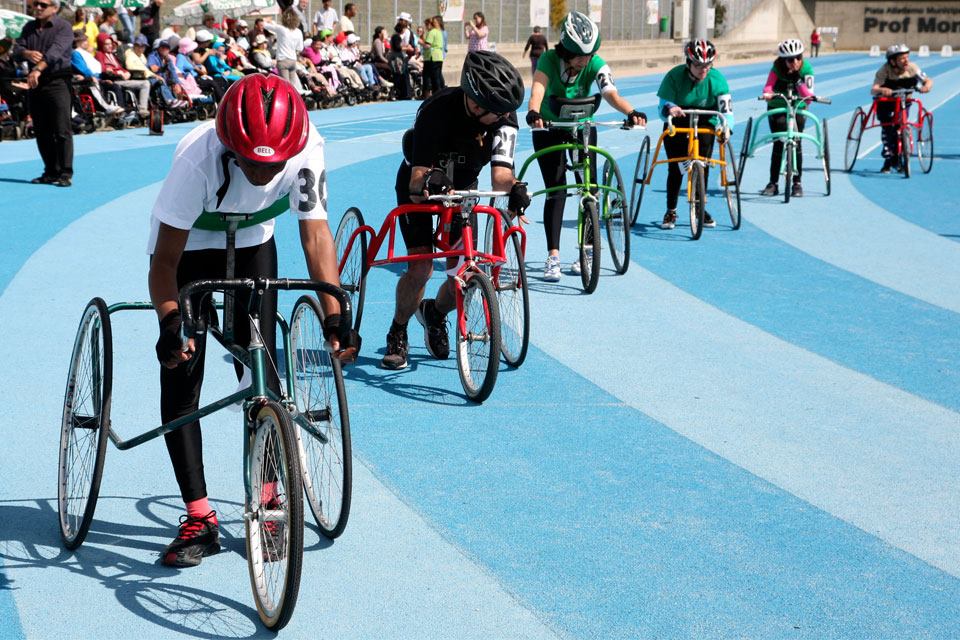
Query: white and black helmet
(579, 34)
(896, 49)
(790, 48)
(491, 81)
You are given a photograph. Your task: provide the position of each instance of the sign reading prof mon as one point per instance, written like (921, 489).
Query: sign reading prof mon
(903, 19)
(865, 23)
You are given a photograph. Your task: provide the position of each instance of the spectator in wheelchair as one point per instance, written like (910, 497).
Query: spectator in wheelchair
(164, 66)
(114, 71)
(260, 56)
(87, 74)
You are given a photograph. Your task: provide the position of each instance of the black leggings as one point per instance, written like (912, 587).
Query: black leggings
(676, 147)
(778, 123)
(888, 134)
(553, 167)
(180, 390)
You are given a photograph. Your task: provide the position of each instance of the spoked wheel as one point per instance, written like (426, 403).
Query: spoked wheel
(925, 142)
(854, 135)
(613, 212)
(826, 156)
(478, 338)
(905, 144)
(509, 281)
(274, 518)
(639, 179)
(731, 190)
(590, 246)
(790, 150)
(321, 400)
(745, 148)
(698, 200)
(353, 275)
(85, 423)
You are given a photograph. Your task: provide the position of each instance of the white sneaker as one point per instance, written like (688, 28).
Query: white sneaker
(575, 265)
(113, 110)
(551, 269)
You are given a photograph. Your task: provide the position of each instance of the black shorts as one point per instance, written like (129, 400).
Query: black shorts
(417, 228)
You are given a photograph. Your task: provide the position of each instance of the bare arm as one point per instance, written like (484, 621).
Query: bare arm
(537, 91)
(321, 258)
(162, 279)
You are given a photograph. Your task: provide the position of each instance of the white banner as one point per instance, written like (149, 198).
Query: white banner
(595, 8)
(653, 11)
(451, 10)
(539, 13)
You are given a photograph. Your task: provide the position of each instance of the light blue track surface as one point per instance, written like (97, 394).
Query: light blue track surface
(754, 435)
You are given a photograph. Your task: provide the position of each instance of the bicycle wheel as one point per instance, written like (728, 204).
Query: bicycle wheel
(274, 517)
(353, 276)
(789, 149)
(925, 142)
(745, 147)
(613, 212)
(590, 259)
(826, 156)
(478, 338)
(854, 135)
(905, 145)
(698, 198)
(321, 399)
(85, 424)
(509, 281)
(639, 179)
(732, 188)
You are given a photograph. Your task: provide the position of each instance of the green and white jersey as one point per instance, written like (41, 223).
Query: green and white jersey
(678, 88)
(562, 85)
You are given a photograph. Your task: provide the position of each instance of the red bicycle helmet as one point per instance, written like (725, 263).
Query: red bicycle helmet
(700, 51)
(263, 119)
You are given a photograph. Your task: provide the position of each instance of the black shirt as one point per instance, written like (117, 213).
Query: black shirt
(54, 40)
(537, 43)
(443, 130)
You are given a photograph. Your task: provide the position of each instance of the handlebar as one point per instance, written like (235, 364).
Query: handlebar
(789, 97)
(459, 196)
(699, 112)
(261, 285)
(619, 124)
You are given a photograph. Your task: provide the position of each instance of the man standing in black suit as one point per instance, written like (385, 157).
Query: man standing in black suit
(46, 44)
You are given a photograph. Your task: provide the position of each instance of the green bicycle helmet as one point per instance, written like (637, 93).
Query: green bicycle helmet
(579, 34)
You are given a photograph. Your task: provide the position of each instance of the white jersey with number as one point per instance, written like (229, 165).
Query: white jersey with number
(195, 184)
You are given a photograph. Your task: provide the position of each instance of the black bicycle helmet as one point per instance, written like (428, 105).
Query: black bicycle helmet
(492, 82)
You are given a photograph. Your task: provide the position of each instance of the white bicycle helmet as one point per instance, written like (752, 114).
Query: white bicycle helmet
(579, 34)
(896, 49)
(790, 48)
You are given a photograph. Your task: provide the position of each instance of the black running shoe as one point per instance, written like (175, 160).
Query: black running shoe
(708, 220)
(434, 332)
(198, 538)
(771, 189)
(397, 347)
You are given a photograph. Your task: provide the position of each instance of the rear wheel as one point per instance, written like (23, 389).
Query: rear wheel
(826, 156)
(478, 338)
(854, 135)
(353, 274)
(274, 518)
(639, 179)
(590, 246)
(745, 147)
(732, 187)
(698, 200)
(613, 212)
(321, 400)
(509, 281)
(925, 142)
(85, 423)
(905, 145)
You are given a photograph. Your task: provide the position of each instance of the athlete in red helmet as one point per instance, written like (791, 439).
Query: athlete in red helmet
(261, 157)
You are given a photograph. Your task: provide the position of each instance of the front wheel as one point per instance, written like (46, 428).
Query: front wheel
(790, 150)
(854, 135)
(698, 200)
(925, 142)
(478, 337)
(905, 144)
(590, 246)
(274, 516)
(85, 424)
(613, 212)
(323, 436)
(745, 148)
(639, 180)
(353, 273)
(731, 187)
(826, 156)
(509, 280)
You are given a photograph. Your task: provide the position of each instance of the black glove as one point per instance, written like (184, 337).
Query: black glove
(518, 200)
(437, 182)
(635, 114)
(169, 344)
(533, 116)
(351, 341)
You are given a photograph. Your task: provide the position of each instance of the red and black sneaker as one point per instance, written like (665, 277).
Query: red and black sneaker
(198, 538)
